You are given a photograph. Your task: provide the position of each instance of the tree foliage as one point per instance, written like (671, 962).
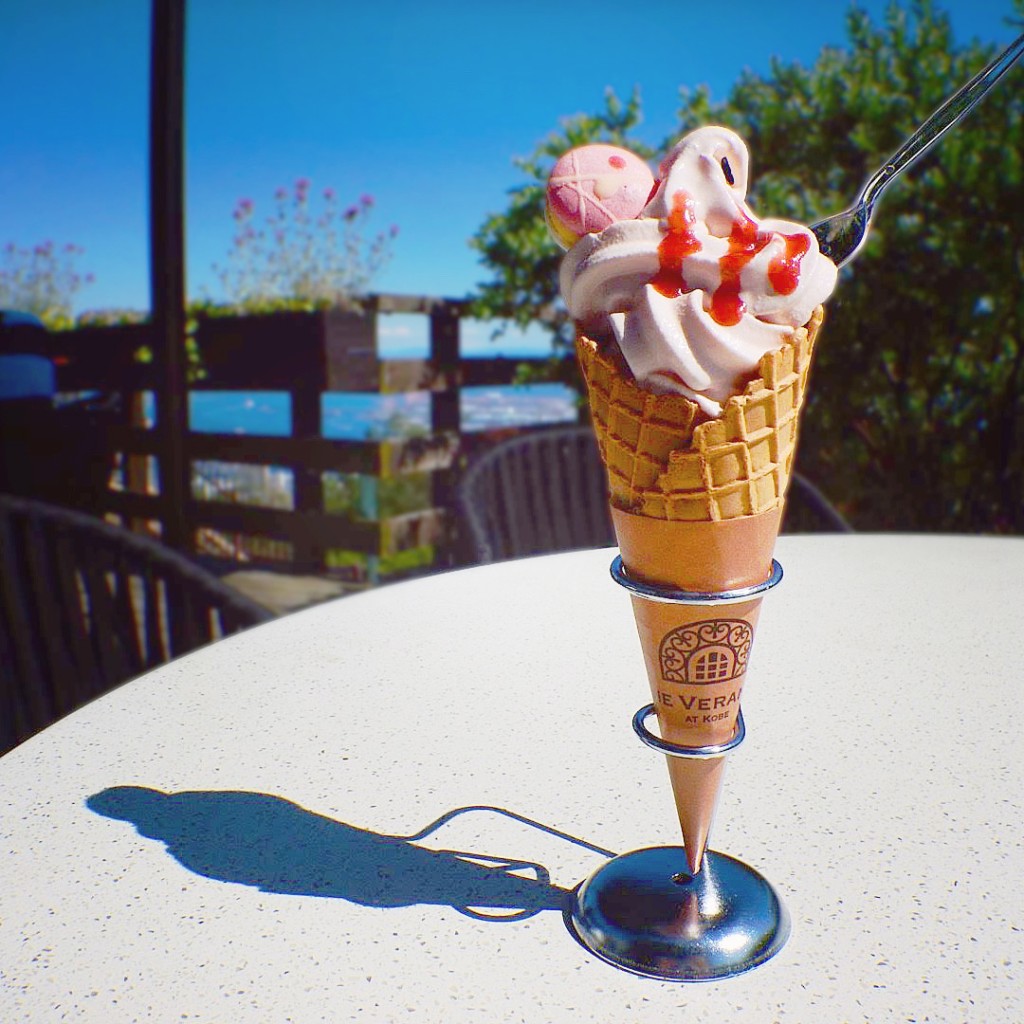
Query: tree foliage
(916, 414)
(515, 244)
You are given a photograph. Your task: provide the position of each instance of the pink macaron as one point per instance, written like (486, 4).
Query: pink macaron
(594, 186)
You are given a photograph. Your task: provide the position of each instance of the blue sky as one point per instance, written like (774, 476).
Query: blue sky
(423, 106)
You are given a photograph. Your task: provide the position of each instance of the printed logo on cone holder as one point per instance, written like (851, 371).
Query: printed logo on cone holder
(703, 653)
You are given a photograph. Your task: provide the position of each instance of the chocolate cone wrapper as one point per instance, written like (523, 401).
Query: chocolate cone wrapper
(696, 655)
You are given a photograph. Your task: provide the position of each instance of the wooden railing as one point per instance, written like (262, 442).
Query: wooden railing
(305, 355)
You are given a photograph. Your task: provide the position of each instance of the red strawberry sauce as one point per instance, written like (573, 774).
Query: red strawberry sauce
(745, 242)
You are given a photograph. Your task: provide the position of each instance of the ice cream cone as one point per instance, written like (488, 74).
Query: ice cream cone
(665, 462)
(696, 506)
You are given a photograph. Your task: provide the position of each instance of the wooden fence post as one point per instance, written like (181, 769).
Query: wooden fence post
(307, 482)
(167, 264)
(446, 416)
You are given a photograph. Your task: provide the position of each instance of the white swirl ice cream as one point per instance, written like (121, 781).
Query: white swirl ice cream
(697, 289)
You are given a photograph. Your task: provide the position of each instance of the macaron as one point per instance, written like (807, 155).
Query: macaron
(594, 186)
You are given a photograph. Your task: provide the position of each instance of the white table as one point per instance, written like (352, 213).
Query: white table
(880, 789)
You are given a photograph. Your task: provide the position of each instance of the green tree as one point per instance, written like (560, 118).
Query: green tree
(916, 414)
(515, 244)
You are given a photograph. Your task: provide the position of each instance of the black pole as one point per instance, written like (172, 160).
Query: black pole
(167, 258)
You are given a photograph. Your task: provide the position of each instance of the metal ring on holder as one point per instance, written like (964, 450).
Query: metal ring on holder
(668, 595)
(677, 750)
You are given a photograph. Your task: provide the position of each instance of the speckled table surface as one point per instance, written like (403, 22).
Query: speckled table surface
(373, 809)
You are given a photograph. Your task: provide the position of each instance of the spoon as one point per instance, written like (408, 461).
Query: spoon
(841, 236)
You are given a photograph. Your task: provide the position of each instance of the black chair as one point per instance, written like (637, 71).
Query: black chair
(813, 511)
(537, 493)
(546, 491)
(85, 605)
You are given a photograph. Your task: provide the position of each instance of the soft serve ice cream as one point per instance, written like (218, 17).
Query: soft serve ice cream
(695, 289)
(696, 325)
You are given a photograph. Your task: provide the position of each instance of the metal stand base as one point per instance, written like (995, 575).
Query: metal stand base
(640, 913)
(643, 911)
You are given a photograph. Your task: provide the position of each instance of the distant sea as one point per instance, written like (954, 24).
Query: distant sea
(349, 416)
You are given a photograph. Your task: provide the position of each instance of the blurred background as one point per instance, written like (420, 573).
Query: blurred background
(337, 152)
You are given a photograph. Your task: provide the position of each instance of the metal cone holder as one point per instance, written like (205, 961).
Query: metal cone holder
(645, 911)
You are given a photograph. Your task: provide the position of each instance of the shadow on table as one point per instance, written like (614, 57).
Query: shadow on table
(277, 846)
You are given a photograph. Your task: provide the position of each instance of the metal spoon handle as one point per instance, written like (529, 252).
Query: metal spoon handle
(962, 101)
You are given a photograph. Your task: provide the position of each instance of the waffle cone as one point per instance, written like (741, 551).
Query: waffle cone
(666, 461)
(697, 505)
